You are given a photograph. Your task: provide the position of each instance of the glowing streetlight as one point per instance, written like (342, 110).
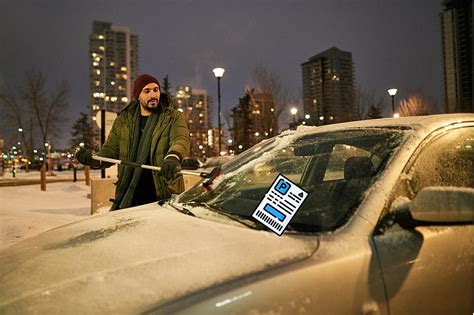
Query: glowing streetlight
(293, 112)
(219, 73)
(392, 93)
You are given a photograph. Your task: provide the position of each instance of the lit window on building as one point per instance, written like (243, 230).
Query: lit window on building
(112, 64)
(112, 82)
(100, 37)
(124, 99)
(97, 72)
(97, 82)
(101, 48)
(123, 68)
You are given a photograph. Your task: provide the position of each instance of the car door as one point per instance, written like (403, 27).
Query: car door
(428, 269)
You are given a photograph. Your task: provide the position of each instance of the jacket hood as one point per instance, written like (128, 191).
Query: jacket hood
(133, 260)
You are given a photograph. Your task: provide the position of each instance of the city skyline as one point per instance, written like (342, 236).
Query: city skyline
(394, 44)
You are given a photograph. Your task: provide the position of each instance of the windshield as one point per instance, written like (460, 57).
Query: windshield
(335, 168)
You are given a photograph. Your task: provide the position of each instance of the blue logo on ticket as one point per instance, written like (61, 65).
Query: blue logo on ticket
(280, 204)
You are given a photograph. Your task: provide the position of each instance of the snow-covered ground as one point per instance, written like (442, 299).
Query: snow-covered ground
(26, 211)
(35, 174)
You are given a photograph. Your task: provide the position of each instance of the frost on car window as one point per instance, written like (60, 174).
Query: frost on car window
(335, 168)
(445, 161)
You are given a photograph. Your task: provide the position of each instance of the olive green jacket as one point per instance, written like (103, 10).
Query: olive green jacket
(171, 135)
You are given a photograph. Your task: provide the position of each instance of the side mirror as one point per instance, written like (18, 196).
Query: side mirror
(436, 206)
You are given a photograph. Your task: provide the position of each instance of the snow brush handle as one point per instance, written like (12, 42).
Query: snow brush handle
(133, 164)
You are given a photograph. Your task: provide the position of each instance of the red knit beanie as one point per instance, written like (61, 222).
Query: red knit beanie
(141, 81)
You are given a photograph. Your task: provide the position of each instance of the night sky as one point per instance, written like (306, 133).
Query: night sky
(393, 43)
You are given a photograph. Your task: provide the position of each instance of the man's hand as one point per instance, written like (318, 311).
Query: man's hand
(171, 167)
(84, 157)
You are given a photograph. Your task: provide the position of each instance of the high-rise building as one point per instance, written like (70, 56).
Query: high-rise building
(456, 37)
(197, 108)
(328, 87)
(254, 120)
(113, 66)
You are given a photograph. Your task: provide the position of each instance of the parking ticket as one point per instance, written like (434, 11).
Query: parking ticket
(280, 204)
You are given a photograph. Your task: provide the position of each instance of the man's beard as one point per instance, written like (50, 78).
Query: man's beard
(152, 109)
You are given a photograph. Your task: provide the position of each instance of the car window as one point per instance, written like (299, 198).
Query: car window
(339, 156)
(305, 161)
(446, 160)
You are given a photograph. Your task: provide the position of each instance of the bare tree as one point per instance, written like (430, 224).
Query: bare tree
(17, 117)
(272, 94)
(39, 115)
(49, 110)
(417, 104)
(367, 105)
(363, 101)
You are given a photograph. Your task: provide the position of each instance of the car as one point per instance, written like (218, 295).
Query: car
(386, 228)
(34, 165)
(190, 164)
(216, 161)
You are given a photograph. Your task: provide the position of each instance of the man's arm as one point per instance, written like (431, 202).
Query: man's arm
(179, 138)
(110, 148)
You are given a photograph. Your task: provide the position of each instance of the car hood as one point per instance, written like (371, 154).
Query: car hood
(130, 260)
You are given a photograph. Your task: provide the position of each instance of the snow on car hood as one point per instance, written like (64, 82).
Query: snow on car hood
(130, 260)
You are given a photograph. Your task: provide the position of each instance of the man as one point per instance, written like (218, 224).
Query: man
(147, 131)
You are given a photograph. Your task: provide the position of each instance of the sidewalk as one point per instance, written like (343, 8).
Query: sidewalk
(33, 177)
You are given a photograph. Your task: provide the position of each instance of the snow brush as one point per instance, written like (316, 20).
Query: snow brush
(210, 175)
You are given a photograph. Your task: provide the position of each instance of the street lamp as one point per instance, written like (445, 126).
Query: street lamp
(294, 111)
(392, 93)
(219, 72)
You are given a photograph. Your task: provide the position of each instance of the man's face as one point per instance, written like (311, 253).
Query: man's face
(149, 97)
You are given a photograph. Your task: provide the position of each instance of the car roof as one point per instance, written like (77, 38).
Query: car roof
(417, 123)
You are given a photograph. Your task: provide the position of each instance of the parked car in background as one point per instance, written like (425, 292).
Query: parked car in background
(386, 229)
(191, 164)
(216, 161)
(34, 165)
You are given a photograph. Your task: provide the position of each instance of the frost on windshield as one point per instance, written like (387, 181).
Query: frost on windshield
(335, 168)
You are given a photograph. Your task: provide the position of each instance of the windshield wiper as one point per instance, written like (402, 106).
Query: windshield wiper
(234, 217)
(182, 209)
